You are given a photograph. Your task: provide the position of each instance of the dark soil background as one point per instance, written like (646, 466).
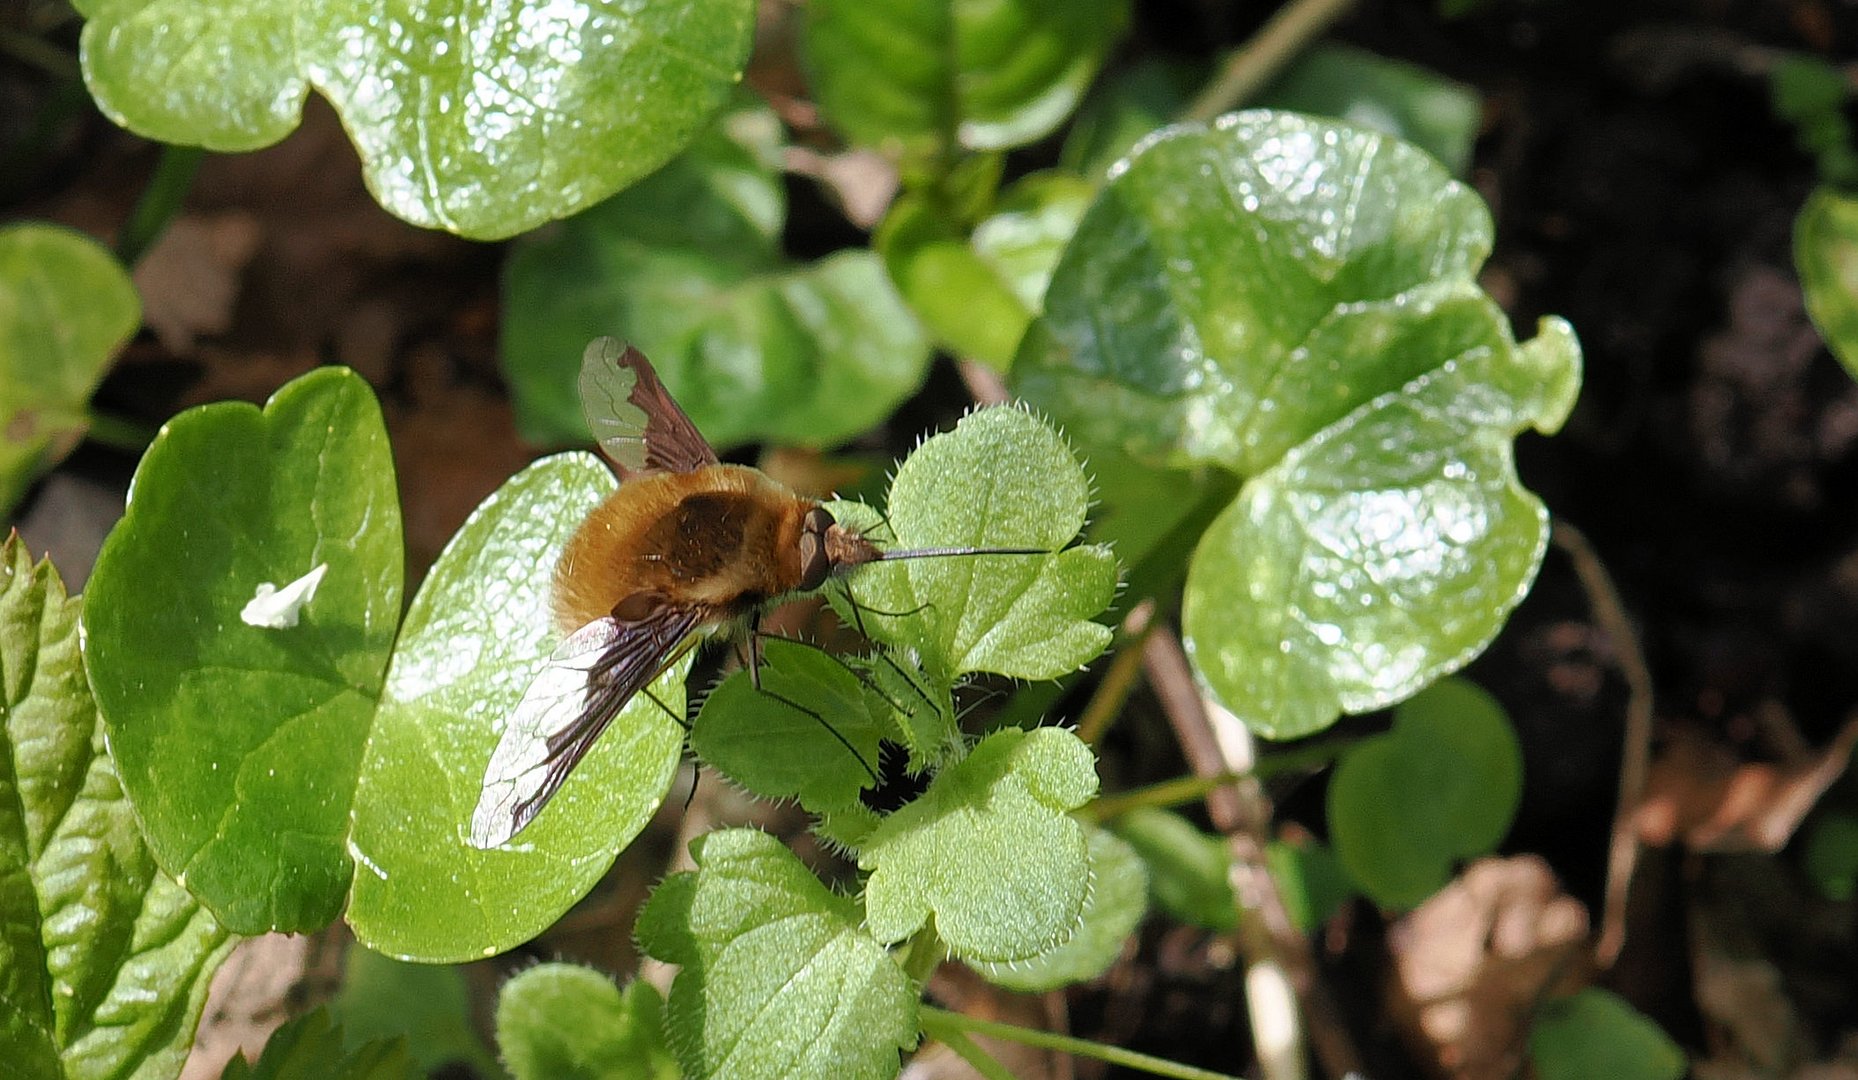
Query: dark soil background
(1642, 188)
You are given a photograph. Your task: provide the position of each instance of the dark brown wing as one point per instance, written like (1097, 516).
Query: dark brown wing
(634, 419)
(584, 685)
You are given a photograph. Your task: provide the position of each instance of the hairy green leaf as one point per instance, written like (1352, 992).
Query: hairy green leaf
(1825, 253)
(567, 1022)
(483, 119)
(923, 78)
(104, 960)
(312, 1045)
(1443, 785)
(65, 308)
(1293, 300)
(1118, 899)
(475, 635)
(778, 977)
(240, 736)
(810, 732)
(687, 266)
(1002, 478)
(989, 850)
(1189, 872)
(1595, 1033)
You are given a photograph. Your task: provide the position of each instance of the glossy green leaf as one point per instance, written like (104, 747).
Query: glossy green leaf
(474, 637)
(1189, 872)
(687, 266)
(1396, 98)
(239, 744)
(778, 978)
(1118, 899)
(1825, 252)
(810, 732)
(104, 960)
(483, 119)
(312, 1046)
(1293, 300)
(1443, 785)
(1595, 1033)
(989, 850)
(567, 1022)
(1002, 478)
(427, 1005)
(65, 308)
(977, 294)
(923, 78)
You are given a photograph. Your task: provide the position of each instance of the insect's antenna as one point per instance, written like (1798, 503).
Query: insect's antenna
(843, 741)
(944, 552)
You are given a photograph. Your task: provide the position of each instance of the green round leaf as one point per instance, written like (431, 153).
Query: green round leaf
(778, 980)
(567, 1022)
(240, 744)
(1293, 300)
(990, 850)
(66, 306)
(958, 296)
(1825, 252)
(483, 119)
(687, 267)
(922, 77)
(427, 1005)
(474, 637)
(1118, 900)
(767, 741)
(1312, 881)
(1443, 785)
(104, 960)
(1189, 872)
(1002, 478)
(1595, 1033)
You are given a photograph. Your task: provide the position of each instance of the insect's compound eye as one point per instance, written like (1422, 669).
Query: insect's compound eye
(814, 562)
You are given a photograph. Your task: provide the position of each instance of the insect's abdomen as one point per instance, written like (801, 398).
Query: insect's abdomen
(723, 538)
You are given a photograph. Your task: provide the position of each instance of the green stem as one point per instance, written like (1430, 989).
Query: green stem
(117, 432)
(940, 1024)
(982, 1061)
(1119, 681)
(1176, 792)
(921, 955)
(1288, 33)
(160, 201)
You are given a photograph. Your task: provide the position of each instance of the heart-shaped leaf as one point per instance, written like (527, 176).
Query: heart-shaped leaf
(778, 978)
(483, 119)
(239, 744)
(65, 308)
(687, 267)
(1443, 785)
(990, 850)
(1293, 300)
(104, 960)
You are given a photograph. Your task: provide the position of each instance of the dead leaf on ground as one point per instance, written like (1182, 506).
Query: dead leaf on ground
(191, 279)
(264, 982)
(1472, 963)
(1700, 794)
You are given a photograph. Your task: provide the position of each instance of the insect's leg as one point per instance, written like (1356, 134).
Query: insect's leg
(843, 741)
(680, 721)
(852, 599)
(754, 649)
(696, 777)
(869, 684)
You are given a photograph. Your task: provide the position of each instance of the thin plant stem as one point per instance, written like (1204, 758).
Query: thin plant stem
(1609, 612)
(1176, 792)
(939, 1023)
(1289, 32)
(118, 433)
(969, 1051)
(1106, 704)
(160, 201)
